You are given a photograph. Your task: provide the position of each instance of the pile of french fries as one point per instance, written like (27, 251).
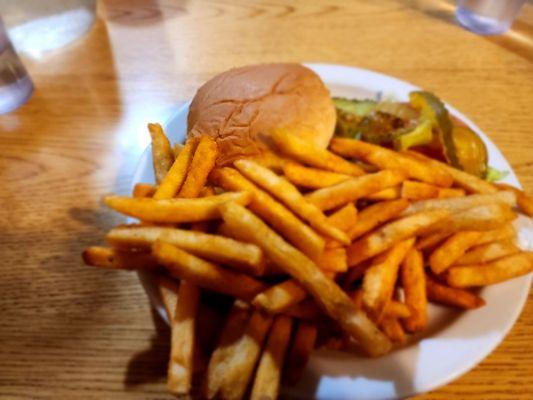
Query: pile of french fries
(260, 262)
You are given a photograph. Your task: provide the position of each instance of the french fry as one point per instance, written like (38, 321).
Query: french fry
(430, 241)
(325, 291)
(375, 215)
(332, 260)
(239, 369)
(413, 190)
(116, 259)
(357, 298)
(280, 297)
(393, 329)
(306, 310)
(395, 309)
(380, 278)
(446, 193)
(173, 180)
(448, 296)
(487, 252)
(413, 281)
(183, 265)
(312, 155)
(391, 193)
(177, 149)
(311, 178)
(217, 248)
(143, 190)
(229, 340)
(267, 380)
(344, 218)
(284, 191)
(452, 249)
(182, 344)
(504, 232)
(168, 291)
(300, 350)
(462, 203)
(353, 189)
(388, 235)
(271, 161)
(525, 202)
(462, 179)
(162, 155)
(174, 210)
(485, 217)
(202, 163)
(273, 212)
(495, 271)
(355, 273)
(388, 159)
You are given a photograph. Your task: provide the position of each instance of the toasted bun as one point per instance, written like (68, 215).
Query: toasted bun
(241, 107)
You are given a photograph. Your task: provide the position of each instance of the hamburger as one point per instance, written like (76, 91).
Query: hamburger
(240, 108)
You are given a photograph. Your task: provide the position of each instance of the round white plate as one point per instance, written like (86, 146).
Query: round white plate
(454, 342)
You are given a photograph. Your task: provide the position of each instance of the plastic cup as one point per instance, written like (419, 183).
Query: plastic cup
(488, 17)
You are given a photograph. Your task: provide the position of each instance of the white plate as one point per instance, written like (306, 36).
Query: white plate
(454, 342)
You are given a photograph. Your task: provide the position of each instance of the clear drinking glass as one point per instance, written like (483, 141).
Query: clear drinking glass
(16, 86)
(488, 17)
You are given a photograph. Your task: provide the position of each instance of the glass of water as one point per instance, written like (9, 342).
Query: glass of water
(488, 17)
(16, 86)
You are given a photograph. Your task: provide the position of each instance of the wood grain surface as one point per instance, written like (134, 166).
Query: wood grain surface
(71, 332)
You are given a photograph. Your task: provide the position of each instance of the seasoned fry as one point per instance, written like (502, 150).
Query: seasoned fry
(162, 155)
(431, 240)
(229, 340)
(174, 210)
(525, 202)
(505, 232)
(393, 329)
(380, 278)
(392, 233)
(325, 291)
(375, 215)
(395, 309)
(485, 217)
(271, 161)
(344, 218)
(332, 260)
(168, 291)
(392, 193)
(116, 259)
(176, 175)
(280, 297)
(488, 252)
(268, 376)
(462, 179)
(182, 344)
(312, 155)
(240, 367)
(311, 178)
(452, 249)
(353, 189)
(448, 296)
(291, 197)
(462, 203)
(495, 271)
(183, 265)
(143, 190)
(413, 281)
(202, 163)
(217, 248)
(388, 159)
(301, 347)
(413, 190)
(273, 212)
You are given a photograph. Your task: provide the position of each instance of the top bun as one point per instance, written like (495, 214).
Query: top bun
(241, 107)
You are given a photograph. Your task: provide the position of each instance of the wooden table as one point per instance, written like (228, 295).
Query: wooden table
(68, 331)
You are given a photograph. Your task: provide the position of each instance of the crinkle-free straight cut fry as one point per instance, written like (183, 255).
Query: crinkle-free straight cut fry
(266, 237)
